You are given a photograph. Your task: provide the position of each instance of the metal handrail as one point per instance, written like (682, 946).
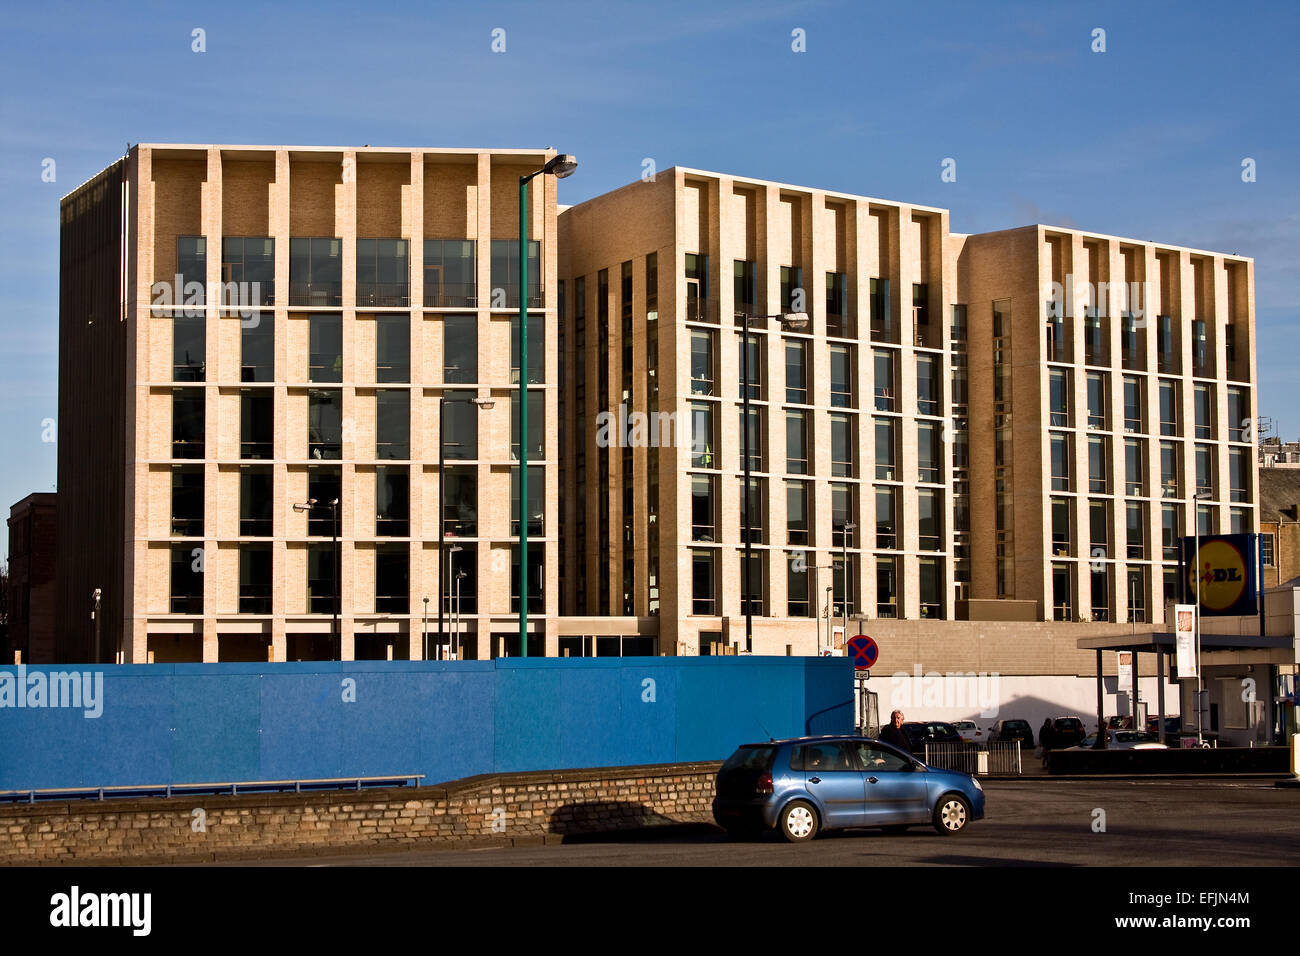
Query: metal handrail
(167, 789)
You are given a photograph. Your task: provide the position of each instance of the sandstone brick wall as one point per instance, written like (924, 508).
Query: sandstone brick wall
(501, 808)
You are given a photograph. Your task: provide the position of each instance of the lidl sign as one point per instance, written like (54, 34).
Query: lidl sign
(1225, 571)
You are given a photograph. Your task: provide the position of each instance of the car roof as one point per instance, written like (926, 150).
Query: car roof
(824, 738)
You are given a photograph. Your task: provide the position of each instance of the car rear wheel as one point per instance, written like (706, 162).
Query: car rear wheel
(951, 814)
(799, 822)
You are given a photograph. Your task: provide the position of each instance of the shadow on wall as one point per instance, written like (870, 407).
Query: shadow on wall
(601, 816)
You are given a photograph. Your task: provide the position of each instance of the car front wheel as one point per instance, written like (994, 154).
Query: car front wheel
(951, 814)
(799, 822)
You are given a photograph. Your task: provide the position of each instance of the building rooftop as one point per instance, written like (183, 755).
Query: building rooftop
(1279, 494)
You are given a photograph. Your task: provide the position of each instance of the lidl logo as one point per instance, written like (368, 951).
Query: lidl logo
(1221, 568)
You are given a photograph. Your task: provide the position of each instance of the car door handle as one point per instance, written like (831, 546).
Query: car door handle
(871, 780)
(814, 779)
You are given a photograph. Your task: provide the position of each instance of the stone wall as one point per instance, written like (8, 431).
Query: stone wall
(504, 809)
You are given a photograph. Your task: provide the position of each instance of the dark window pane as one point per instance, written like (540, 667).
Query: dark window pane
(460, 349)
(248, 271)
(460, 416)
(192, 270)
(256, 423)
(449, 273)
(393, 348)
(325, 423)
(187, 423)
(316, 271)
(325, 348)
(460, 502)
(187, 501)
(383, 272)
(255, 501)
(324, 484)
(189, 335)
(257, 347)
(505, 274)
(392, 423)
(392, 502)
(392, 579)
(536, 500)
(187, 580)
(536, 349)
(254, 579)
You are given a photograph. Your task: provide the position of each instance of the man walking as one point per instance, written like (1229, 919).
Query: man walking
(893, 734)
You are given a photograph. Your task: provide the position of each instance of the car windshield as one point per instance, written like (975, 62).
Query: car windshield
(1069, 723)
(1017, 725)
(1135, 737)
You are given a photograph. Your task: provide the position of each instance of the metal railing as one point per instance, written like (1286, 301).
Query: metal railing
(1002, 758)
(229, 788)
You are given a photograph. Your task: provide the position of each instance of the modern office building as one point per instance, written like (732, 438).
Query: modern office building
(1006, 427)
(981, 447)
(30, 601)
(246, 330)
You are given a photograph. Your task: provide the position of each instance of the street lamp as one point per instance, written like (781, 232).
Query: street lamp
(844, 566)
(460, 576)
(830, 599)
(559, 166)
(792, 322)
(443, 402)
(1196, 614)
(424, 633)
(310, 505)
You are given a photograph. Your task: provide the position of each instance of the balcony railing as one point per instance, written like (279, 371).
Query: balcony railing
(321, 294)
(384, 294)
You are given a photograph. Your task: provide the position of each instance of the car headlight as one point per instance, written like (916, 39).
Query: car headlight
(978, 785)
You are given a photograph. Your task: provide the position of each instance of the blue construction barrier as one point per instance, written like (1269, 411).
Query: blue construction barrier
(196, 723)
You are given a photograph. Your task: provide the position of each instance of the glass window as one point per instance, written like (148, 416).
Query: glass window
(702, 435)
(256, 500)
(325, 349)
(841, 376)
(248, 270)
(1099, 526)
(697, 288)
(536, 348)
(797, 517)
(393, 348)
(1204, 403)
(187, 423)
(1239, 462)
(536, 500)
(1136, 528)
(1168, 407)
(324, 484)
(1135, 467)
(536, 424)
(383, 272)
(316, 272)
(796, 443)
(1097, 387)
(842, 445)
(255, 579)
(1170, 464)
(392, 423)
(703, 582)
(746, 286)
(929, 518)
(449, 273)
(883, 327)
(887, 587)
(751, 439)
(843, 513)
(1098, 466)
(796, 585)
(1062, 523)
(536, 591)
(392, 579)
(505, 273)
(1170, 532)
(886, 396)
(460, 502)
(256, 423)
(460, 415)
(929, 455)
(796, 372)
(392, 502)
(886, 518)
(460, 349)
(751, 366)
(886, 445)
(257, 348)
(187, 501)
(1060, 462)
(1205, 469)
(464, 579)
(189, 335)
(928, 373)
(1240, 425)
(702, 376)
(187, 580)
(1059, 400)
(930, 585)
(703, 508)
(325, 423)
(322, 580)
(1134, 404)
(192, 267)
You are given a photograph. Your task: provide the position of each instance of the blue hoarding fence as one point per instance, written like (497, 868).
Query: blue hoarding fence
(87, 726)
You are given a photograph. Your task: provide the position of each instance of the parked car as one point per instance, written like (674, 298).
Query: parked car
(1066, 732)
(1007, 730)
(1173, 726)
(1124, 740)
(921, 733)
(970, 732)
(804, 785)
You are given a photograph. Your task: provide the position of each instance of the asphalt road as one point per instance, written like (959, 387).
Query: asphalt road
(1027, 823)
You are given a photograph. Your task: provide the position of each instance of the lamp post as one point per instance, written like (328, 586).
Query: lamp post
(450, 551)
(424, 632)
(559, 166)
(1196, 614)
(443, 402)
(844, 565)
(95, 597)
(460, 576)
(791, 321)
(310, 505)
(830, 599)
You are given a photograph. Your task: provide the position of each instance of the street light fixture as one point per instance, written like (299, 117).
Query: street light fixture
(560, 166)
(1196, 613)
(310, 505)
(443, 402)
(460, 576)
(844, 572)
(791, 322)
(424, 633)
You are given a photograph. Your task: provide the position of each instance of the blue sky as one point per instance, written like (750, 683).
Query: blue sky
(1144, 140)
